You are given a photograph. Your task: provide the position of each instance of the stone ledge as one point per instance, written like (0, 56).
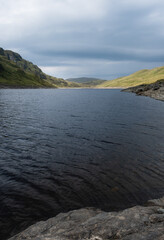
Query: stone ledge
(136, 223)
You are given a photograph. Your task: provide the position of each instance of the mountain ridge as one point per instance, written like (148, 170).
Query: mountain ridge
(18, 72)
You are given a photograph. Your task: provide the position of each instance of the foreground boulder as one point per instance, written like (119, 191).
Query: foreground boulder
(136, 223)
(154, 90)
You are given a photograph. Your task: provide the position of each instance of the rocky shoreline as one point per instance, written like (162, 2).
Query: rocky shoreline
(154, 90)
(136, 223)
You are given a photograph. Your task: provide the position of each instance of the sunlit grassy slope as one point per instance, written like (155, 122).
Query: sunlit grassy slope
(141, 77)
(18, 72)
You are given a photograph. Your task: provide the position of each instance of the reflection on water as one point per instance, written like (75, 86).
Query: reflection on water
(67, 149)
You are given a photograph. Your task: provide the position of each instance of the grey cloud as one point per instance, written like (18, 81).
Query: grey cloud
(107, 54)
(66, 32)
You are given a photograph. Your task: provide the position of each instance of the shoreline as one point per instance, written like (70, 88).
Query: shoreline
(93, 88)
(153, 90)
(59, 88)
(135, 223)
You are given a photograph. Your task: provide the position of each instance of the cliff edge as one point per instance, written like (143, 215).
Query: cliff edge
(136, 223)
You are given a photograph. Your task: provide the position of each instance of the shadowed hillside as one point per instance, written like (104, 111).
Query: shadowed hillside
(18, 72)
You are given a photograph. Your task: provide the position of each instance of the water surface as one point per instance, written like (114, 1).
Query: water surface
(67, 149)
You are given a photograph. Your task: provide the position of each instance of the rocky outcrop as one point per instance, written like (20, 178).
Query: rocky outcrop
(154, 90)
(16, 72)
(136, 223)
(22, 63)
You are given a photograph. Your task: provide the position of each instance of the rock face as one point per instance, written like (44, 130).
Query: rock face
(22, 63)
(16, 72)
(154, 90)
(146, 223)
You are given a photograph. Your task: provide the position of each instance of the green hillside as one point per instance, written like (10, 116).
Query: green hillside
(13, 76)
(17, 72)
(141, 77)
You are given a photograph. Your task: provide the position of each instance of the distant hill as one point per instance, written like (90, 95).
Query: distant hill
(18, 72)
(86, 81)
(141, 77)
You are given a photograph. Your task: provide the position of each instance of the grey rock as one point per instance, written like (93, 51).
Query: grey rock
(156, 202)
(154, 90)
(136, 223)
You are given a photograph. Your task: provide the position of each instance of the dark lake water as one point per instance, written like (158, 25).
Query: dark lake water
(65, 149)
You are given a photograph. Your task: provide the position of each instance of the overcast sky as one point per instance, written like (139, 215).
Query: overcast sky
(94, 38)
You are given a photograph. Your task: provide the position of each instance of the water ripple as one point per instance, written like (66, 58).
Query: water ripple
(63, 150)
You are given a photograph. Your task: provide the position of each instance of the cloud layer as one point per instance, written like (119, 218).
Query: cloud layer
(100, 38)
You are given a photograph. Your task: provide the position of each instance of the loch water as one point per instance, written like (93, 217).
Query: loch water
(64, 149)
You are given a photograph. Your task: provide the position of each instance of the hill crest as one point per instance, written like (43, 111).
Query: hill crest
(144, 76)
